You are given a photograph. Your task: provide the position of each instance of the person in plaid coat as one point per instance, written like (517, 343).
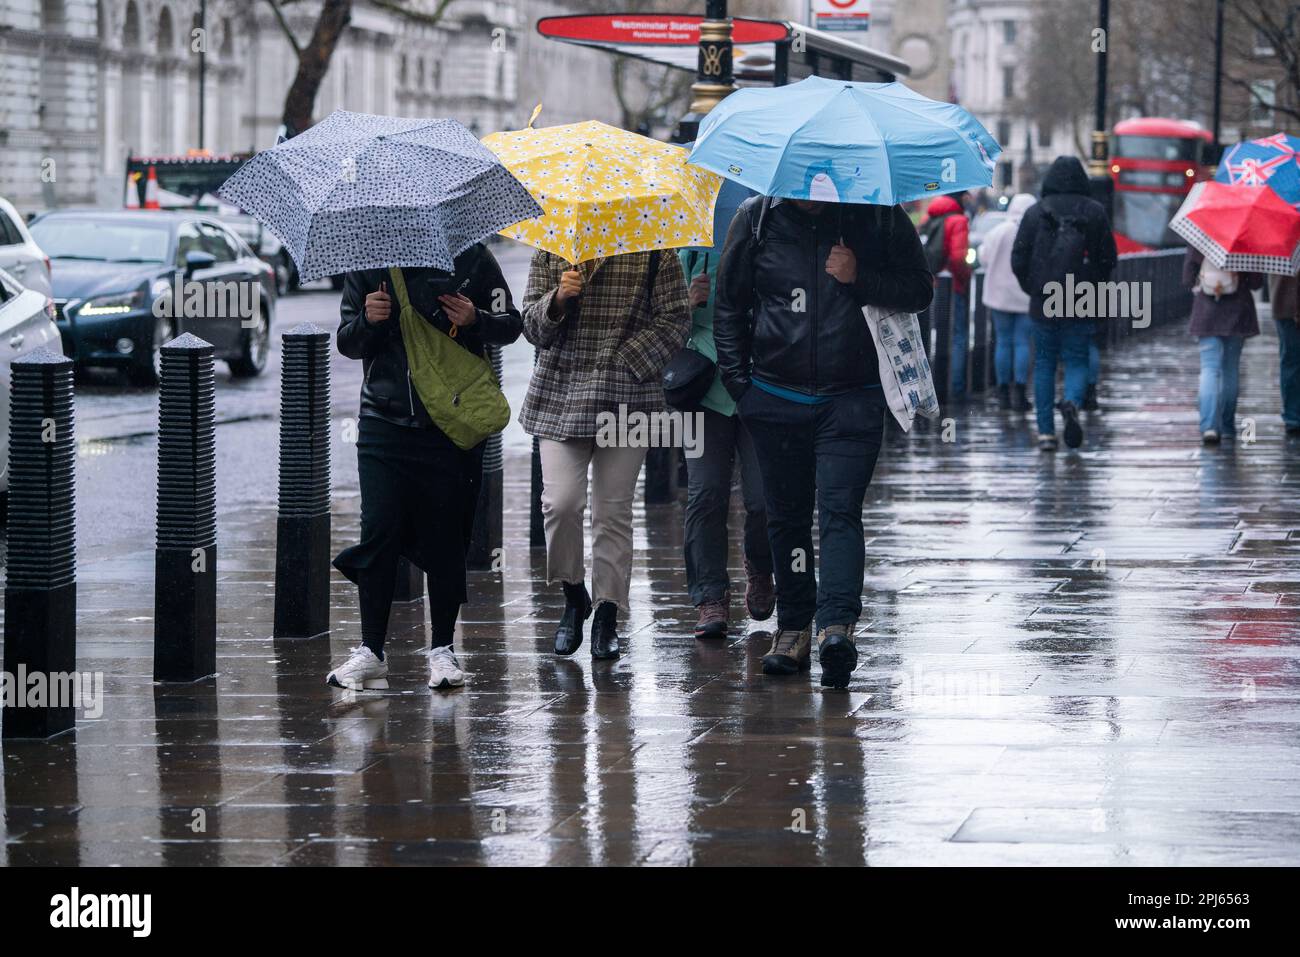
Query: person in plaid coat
(603, 332)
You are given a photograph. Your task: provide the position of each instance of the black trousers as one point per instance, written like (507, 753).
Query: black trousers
(725, 440)
(820, 455)
(419, 493)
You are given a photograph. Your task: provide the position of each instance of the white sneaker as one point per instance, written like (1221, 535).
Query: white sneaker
(363, 671)
(444, 669)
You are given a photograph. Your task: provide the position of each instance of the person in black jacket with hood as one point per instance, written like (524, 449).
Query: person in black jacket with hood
(419, 490)
(1066, 234)
(795, 352)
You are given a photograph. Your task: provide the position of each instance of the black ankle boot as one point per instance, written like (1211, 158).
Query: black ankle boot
(604, 631)
(1090, 400)
(577, 609)
(1004, 396)
(1022, 398)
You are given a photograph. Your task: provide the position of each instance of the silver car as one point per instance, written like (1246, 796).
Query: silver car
(19, 254)
(26, 324)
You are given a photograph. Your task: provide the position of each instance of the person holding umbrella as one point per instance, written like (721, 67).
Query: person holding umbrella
(419, 487)
(802, 264)
(606, 308)
(1244, 222)
(400, 205)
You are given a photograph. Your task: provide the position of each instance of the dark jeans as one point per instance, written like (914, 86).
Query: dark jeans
(1288, 336)
(1065, 341)
(419, 493)
(708, 501)
(821, 454)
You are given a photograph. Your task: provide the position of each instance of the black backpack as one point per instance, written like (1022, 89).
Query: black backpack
(932, 235)
(1060, 249)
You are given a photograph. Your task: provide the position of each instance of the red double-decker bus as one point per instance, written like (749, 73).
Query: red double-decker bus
(1154, 163)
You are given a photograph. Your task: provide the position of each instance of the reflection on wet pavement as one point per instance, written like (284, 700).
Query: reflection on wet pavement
(1086, 658)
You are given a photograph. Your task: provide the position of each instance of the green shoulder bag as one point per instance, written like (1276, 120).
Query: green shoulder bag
(458, 389)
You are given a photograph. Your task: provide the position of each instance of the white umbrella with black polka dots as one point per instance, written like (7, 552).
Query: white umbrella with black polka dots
(359, 191)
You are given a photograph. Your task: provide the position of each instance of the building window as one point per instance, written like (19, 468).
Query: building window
(1044, 135)
(1263, 95)
(1008, 82)
(401, 70)
(1004, 133)
(1008, 31)
(1263, 45)
(1004, 175)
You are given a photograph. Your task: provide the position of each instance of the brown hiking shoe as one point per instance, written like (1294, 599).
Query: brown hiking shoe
(791, 652)
(760, 594)
(713, 618)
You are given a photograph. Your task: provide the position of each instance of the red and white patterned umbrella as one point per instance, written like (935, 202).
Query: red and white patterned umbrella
(1241, 228)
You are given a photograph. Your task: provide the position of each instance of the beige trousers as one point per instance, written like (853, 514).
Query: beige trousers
(614, 473)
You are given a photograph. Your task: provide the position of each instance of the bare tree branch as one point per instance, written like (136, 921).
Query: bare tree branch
(284, 26)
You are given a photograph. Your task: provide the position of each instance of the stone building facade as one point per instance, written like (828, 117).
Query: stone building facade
(85, 82)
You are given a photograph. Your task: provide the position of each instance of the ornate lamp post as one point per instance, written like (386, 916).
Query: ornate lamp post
(713, 78)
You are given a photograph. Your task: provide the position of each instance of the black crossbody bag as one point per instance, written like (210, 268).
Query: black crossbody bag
(688, 374)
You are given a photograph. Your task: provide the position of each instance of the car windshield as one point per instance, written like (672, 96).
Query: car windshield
(102, 240)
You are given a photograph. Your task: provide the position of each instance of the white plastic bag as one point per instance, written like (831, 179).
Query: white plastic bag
(904, 368)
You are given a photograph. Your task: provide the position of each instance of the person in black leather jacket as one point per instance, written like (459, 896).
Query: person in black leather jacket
(419, 491)
(795, 351)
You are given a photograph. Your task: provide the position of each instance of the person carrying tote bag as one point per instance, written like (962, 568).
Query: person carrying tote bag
(801, 361)
(429, 400)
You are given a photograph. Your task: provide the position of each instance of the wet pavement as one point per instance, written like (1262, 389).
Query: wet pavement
(1086, 658)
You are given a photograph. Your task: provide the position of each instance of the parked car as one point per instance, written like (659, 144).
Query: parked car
(268, 248)
(19, 254)
(110, 268)
(26, 324)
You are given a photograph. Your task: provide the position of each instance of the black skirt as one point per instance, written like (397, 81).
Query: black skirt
(419, 493)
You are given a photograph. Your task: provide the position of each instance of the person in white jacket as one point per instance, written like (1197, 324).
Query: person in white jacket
(1008, 305)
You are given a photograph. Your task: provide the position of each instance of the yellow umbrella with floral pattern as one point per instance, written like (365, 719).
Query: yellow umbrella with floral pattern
(606, 191)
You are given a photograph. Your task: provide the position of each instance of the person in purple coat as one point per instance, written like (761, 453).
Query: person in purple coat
(1223, 318)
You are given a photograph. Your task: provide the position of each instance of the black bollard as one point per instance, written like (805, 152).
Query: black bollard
(980, 362)
(485, 541)
(941, 323)
(660, 476)
(185, 559)
(536, 521)
(41, 565)
(302, 540)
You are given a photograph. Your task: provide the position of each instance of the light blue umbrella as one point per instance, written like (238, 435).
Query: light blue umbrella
(730, 196)
(845, 142)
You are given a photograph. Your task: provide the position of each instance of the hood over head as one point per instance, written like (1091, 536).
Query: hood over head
(942, 206)
(1019, 204)
(1066, 176)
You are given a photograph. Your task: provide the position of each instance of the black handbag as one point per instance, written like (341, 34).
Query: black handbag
(688, 374)
(687, 377)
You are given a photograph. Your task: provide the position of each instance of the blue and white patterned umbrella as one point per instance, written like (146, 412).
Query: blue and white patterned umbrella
(359, 191)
